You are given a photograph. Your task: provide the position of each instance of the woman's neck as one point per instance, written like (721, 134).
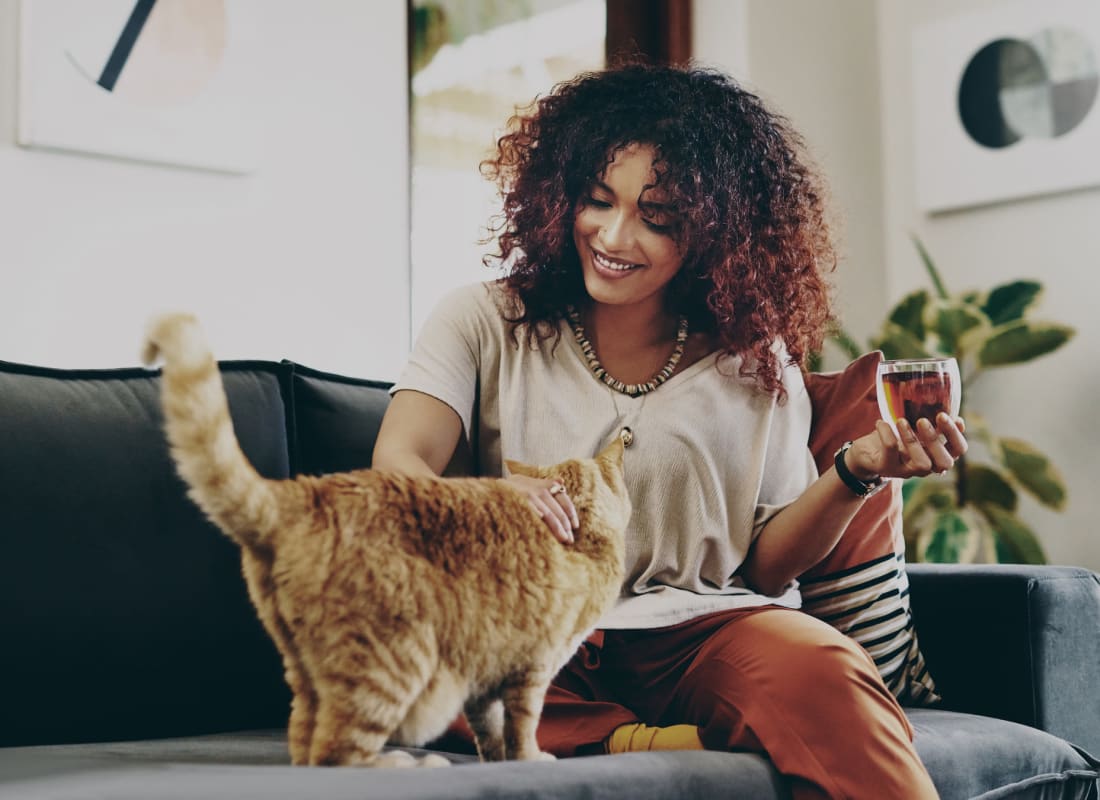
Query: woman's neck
(617, 327)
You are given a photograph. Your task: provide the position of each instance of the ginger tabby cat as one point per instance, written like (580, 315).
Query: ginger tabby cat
(398, 602)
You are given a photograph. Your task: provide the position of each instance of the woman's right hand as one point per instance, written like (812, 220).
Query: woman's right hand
(551, 502)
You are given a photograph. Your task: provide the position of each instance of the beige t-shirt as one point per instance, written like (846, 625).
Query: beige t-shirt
(713, 458)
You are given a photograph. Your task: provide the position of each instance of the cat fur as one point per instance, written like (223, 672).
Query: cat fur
(397, 602)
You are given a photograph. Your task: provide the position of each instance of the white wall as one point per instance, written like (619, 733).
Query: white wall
(1050, 402)
(307, 258)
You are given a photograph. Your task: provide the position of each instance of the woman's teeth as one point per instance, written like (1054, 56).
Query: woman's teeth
(607, 263)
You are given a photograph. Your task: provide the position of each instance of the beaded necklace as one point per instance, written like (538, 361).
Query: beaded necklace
(629, 389)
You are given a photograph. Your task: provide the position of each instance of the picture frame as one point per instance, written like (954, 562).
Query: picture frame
(1005, 104)
(170, 82)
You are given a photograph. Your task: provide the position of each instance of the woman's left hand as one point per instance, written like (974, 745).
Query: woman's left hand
(915, 453)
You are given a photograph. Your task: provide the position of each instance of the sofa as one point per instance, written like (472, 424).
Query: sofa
(133, 665)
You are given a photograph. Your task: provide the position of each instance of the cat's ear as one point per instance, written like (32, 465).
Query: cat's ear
(613, 453)
(519, 468)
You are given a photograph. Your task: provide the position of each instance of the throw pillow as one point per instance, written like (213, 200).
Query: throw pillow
(860, 587)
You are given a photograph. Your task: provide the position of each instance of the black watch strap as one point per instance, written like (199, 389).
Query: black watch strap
(859, 487)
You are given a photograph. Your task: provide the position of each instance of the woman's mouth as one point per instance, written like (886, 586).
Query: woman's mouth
(611, 264)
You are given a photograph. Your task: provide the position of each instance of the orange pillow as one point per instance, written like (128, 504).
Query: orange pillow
(860, 587)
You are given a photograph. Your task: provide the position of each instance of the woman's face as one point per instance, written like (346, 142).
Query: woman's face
(627, 250)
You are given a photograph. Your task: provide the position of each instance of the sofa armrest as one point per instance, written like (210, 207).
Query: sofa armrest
(1017, 642)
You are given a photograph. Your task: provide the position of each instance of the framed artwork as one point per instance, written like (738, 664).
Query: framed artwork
(1005, 103)
(160, 81)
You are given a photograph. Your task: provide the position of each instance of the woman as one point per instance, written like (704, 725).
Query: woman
(665, 246)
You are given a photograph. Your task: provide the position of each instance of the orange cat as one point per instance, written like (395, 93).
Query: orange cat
(397, 602)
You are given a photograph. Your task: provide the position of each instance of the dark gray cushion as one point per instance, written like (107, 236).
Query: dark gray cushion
(970, 756)
(248, 767)
(123, 613)
(335, 420)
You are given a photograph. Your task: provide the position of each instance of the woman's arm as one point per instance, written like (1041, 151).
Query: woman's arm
(418, 436)
(804, 532)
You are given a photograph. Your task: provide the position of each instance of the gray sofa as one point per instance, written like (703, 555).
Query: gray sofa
(134, 667)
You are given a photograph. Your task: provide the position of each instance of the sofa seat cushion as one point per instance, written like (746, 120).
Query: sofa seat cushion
(971, 756)
(255, 766)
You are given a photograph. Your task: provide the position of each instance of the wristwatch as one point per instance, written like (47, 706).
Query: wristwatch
(859, 487)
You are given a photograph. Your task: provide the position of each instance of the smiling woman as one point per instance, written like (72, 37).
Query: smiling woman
(664, 249)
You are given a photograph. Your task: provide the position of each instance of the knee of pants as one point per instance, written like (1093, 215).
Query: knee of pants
(831, 670)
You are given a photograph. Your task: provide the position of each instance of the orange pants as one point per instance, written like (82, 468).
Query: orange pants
(766, 680)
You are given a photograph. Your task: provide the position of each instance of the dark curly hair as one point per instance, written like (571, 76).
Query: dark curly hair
(750, 211)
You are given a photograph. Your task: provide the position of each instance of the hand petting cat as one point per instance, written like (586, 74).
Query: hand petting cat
(551, 502)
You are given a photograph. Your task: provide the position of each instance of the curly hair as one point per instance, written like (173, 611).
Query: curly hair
(750, 210)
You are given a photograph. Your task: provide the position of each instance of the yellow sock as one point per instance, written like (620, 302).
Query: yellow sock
(637, 737)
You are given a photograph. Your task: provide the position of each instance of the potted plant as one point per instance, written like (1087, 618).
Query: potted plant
(970, 514)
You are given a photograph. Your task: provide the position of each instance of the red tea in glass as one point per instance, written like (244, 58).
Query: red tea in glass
(915, 388)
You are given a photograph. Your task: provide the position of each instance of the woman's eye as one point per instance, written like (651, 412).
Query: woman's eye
(592, 201)
(658, 228)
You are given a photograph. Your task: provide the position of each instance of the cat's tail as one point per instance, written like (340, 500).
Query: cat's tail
(204, 447)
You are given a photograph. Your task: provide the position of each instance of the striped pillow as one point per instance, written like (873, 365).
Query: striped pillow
(861, 587)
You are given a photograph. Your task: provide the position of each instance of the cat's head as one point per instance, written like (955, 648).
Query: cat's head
(595, 485)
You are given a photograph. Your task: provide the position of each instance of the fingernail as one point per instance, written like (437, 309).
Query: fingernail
(925, 425)
(576, 522)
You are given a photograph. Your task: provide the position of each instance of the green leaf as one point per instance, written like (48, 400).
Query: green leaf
(847, 343)
(972, 297)
(1034, 472)
(923, 495)
(908, 314)
(1019, 341)
(933, 273)
(1016, 542)
(896, 342)
(952, 537)
(986, 486)
(1009, 302)
(953, 319)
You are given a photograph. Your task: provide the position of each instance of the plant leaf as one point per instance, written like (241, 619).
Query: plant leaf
(909, 313)
(986, 486)
(1020, 340)
(1034, 471)
(1009, 301)
(933, 273)
(951, 320)
(847, 343)
(896, 342)
(1016, 542)
(951, 539)
(922, 495)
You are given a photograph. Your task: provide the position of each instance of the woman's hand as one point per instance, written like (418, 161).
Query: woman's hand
(551, 502)
(914, 453)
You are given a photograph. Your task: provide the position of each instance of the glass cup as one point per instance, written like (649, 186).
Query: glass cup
(918, 387)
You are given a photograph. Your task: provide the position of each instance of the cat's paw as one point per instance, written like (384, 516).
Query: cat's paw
(544, 756)
(433, 760)
(393, 758)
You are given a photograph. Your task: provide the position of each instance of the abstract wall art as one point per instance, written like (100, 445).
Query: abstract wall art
(1006, 103)
(160, 81)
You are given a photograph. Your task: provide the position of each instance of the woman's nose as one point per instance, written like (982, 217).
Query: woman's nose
(615, 235)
